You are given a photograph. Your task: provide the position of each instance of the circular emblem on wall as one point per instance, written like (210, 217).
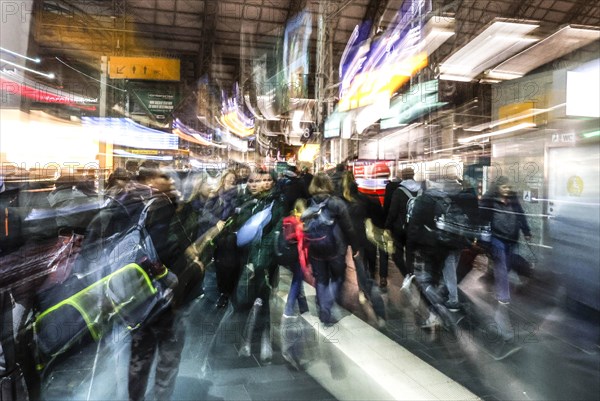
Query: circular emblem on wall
(575, 185)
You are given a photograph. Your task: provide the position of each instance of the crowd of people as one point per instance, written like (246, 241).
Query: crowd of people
(245, 223)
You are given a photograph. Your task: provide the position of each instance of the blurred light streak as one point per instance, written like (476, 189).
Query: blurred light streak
(123, 153)
(515, 117)
(35, 60)
(125, 132)
(49, 76)
(42, 93)
(499, 132)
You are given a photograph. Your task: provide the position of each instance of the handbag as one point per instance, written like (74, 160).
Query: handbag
(253, 227)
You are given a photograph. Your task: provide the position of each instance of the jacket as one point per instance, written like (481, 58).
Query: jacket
(344, 232)
(505, 215)
(396, 217)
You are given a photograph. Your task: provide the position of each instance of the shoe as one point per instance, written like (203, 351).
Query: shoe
(327, 319)
(432, 322)
(361, 298)
(291, 360)
(452, 306)
(407, 282)
(505, 350)
(266, 350)
(244, 351)
(302, 304)
(222, 301)
(505, 303)
(383, 283)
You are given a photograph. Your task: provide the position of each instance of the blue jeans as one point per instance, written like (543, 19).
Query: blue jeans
(502, 253)
(449, 273)
(296, 289)
(329, 275)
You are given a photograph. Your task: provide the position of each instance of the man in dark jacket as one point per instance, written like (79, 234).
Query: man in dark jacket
(396, 218)
(501, 208)
(164, 332)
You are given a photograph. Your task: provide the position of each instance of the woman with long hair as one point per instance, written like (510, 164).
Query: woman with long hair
(329, 270)
(361, 208)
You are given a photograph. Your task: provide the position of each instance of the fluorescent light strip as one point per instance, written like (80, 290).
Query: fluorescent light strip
(35, 60)
(560, 43)
(496, 43)
(49, 76)
(592, 134)
(496, 133)
(436, 32)
(455, 147)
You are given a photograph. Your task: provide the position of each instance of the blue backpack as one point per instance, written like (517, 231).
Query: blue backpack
(319, 230)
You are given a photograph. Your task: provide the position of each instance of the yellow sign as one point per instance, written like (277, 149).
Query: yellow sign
(515, 114)
(575, 186)
(146, 68)
(144, 151)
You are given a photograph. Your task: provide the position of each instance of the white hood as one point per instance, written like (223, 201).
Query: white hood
(411, 185)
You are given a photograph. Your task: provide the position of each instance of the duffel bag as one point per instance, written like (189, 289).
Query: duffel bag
(129, 294)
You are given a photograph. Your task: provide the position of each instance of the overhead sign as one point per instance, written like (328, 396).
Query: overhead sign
(516, 113)
(144, 68)
(155, 102)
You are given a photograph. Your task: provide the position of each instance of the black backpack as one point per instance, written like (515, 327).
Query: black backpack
(319, 230)
(410, 204)
(455, 229)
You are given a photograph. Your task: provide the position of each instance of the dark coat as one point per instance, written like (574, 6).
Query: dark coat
(390, 190)
(364, 207)
(421, 230)
(505, 215)
(344, 231)
(396, 217)
(293, 189)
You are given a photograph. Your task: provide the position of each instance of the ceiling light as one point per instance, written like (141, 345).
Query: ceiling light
(450, 77)
(563, 41)
(436, 32)
(496, 43)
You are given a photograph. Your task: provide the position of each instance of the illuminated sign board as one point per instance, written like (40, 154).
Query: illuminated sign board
(144, 68)
(391, 60)
(418, 100)
(332, 125)
(125, 132)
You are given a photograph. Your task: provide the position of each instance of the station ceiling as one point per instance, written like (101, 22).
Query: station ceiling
(216, 37)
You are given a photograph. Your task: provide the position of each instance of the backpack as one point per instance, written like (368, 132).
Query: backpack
(455, 228)
(286, 244)
(319, 230)
(410, 203)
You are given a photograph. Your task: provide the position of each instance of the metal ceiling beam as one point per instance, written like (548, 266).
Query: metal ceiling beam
(374, 11)
(580, 11)
(209, 23)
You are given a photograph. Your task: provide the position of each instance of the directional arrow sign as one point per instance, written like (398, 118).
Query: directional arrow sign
(144, 68)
